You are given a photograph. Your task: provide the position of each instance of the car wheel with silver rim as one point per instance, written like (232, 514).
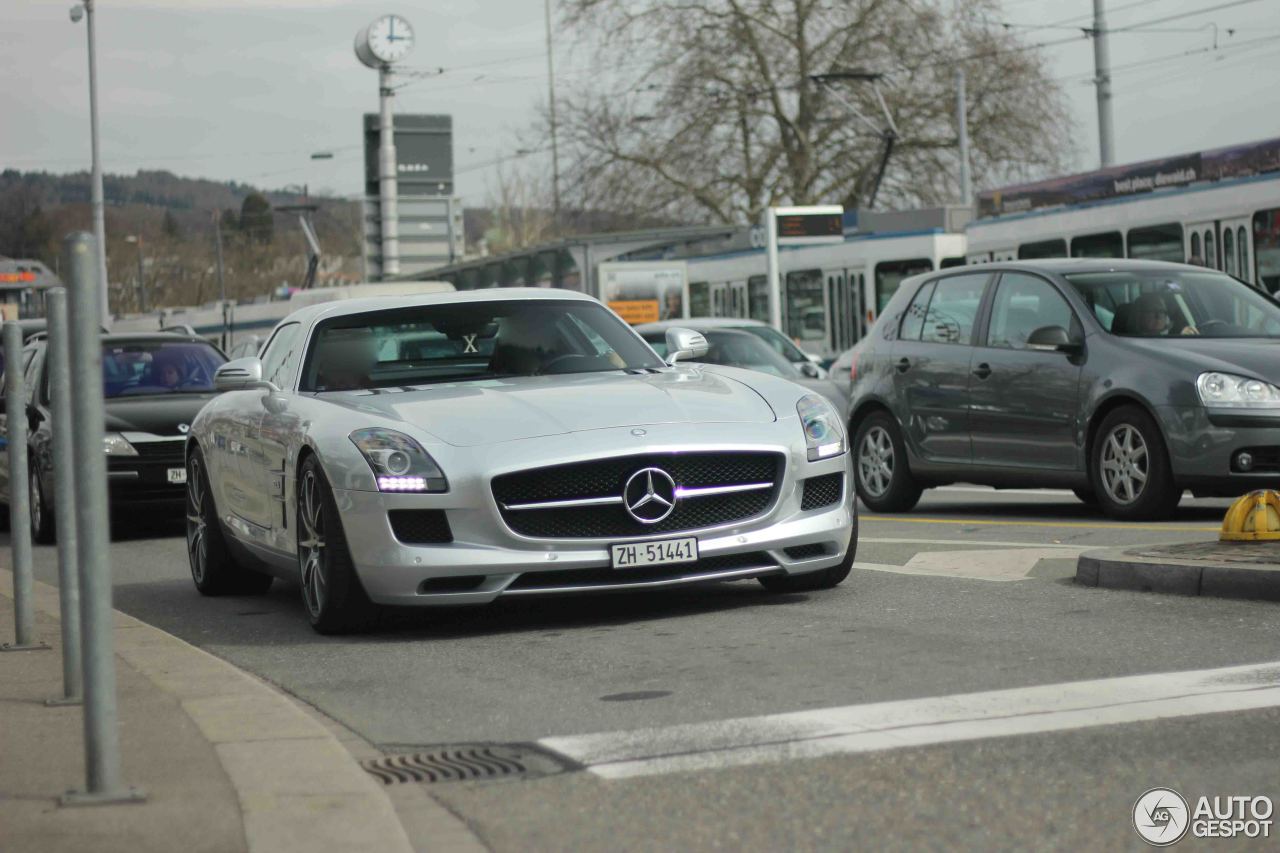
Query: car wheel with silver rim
(883, 477)
(213, 569)
(1129, 467)
(336, 602)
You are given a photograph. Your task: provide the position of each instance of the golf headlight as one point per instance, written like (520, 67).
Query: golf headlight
(115, 444)
(399, 463)
(1228, 391)
(823, 431)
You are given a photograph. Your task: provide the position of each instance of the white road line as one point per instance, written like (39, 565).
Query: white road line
(920, 722)
(881, 540)
(1004, 564)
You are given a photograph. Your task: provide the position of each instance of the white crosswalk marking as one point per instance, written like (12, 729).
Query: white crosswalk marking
(920, 722)
(1001, 564)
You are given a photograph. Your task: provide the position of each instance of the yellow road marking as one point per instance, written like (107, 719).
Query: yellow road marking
(1081, 524)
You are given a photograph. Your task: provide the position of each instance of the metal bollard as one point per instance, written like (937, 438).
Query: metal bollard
(93, 540)
(58, 354)
(15, 394)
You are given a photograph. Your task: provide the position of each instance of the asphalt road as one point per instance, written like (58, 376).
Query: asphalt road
(970, 593)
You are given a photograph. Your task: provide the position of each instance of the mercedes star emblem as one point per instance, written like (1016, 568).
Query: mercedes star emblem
(650, 495)
(183, 428)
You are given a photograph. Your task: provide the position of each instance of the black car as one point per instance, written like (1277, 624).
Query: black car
(1126, 381)
(153, 385)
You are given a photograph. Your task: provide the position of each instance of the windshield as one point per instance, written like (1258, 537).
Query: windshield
(1159, 304)
(780, 343)
(736, 349)
(141, 368)
(478, 340)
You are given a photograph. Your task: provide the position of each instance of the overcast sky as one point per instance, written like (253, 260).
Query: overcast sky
(248, 89)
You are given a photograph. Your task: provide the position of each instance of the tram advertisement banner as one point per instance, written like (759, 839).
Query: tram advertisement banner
(1222, 163)
(645, 291)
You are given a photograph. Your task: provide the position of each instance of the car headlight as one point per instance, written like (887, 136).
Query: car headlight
(115, 444)
(399, 463)
(823, 431)
(1228, 391)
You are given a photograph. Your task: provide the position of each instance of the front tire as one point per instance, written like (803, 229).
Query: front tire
(827, 578)
(41, 512)
(1130, 467)
(213, 569)
(880, 466)
(336, 602)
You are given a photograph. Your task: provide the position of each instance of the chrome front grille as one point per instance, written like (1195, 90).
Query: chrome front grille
(584, 500)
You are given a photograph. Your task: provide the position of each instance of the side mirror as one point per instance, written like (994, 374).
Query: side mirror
(1052, 339)
(238, 375)
(684, 343)
(813, 371)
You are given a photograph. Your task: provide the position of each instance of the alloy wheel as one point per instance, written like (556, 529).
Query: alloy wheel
(197, 525)
(875, 461)
(311, 553)
(1125, 464)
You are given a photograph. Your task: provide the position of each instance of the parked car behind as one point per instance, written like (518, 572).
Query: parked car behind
(1126, 381)
(735, 348)
(809, 365)
(153, 385)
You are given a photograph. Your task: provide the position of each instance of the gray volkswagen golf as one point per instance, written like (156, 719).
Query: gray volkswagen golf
(1125, 381)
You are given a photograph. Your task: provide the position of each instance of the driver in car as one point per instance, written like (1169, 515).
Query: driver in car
(166, 369)
(1153, 316)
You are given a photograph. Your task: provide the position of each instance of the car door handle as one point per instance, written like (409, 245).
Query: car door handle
(903, 365)
(982, 371)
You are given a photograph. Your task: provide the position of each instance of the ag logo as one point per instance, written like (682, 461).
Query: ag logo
(1161, 817)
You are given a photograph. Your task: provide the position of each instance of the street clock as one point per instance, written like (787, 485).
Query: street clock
(385, 41)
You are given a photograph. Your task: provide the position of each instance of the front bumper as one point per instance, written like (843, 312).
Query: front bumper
(486, 560)
(1202, 444)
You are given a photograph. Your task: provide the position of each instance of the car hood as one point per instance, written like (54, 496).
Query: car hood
(160, 414)
(1255, 357)
(488, 412)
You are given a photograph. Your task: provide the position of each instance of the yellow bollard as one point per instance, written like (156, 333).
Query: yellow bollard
(1254, 517)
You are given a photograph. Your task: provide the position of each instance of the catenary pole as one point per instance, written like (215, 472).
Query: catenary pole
(1102, 79)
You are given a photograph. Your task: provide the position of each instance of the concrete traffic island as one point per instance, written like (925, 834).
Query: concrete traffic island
(1223, 569)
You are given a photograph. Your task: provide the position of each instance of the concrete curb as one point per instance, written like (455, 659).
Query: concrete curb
(1119, 568)
(298, 786)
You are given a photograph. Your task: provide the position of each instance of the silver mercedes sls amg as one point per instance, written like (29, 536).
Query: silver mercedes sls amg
(454, 448)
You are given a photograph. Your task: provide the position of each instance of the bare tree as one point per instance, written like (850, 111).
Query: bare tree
(708, 109)
(520, 209)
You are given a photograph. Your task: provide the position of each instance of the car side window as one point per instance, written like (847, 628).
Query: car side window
(1023, 304)
(953, 309)
(913, 317)
(280, 358)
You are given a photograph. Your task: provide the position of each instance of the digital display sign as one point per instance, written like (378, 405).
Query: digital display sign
(810, 225)
(424, 154)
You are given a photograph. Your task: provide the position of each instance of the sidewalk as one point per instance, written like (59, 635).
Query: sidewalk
(227, 761)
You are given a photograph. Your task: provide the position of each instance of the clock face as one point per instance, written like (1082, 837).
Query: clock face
(390, 38)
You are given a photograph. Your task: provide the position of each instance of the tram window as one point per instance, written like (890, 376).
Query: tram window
(1042, 249)
(954, 261)
(1242, 246)
(891, 273)
(806, 315)
(758, 298)
(699, 299)
(1266, 249)
(1228, 251)
(1195, 246)
(1159, 243)
(1210, 251)
(1106, 245)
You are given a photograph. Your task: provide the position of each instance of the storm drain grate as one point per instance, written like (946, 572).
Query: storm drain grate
(448, 765)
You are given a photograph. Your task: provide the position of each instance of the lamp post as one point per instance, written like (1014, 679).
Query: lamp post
(80, 10)
(142, 283)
